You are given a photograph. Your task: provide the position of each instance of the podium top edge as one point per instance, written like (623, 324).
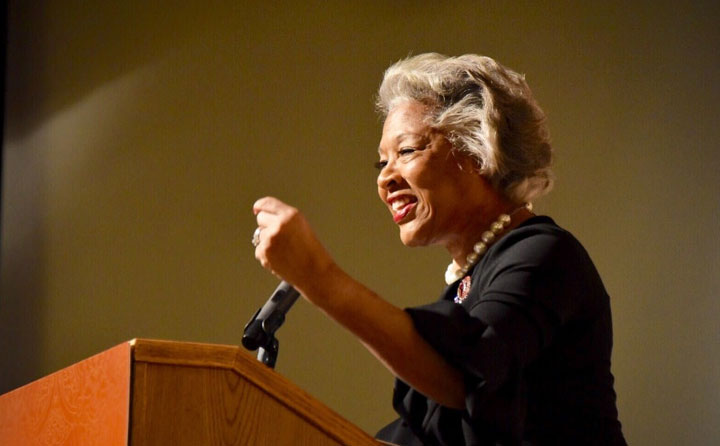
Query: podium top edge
(184, 353)
(241, 362)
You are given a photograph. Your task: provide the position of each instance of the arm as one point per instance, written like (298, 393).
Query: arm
(386, 330)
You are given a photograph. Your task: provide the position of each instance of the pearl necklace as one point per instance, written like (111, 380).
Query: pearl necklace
(455, 271)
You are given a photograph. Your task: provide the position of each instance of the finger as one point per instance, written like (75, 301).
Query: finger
(269, 204)
(262, 259)
(265, 219)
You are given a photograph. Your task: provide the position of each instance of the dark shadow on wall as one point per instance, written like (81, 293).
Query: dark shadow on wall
(21, 263)
(40, 79)
(57, 53)
(51, 68)
(22, 239)
(3, 69)
(21, 309)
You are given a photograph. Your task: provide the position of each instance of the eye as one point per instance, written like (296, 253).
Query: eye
(380, 164)
(406, 150)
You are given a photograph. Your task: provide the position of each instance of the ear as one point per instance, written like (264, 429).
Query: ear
(471, 165)
(466, 162)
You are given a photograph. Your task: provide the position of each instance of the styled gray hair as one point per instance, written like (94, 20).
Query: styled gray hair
(485, 110)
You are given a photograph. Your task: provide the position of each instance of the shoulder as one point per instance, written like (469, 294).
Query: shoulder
(540, 262)
(539, 241)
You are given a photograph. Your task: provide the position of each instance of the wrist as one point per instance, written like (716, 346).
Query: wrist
(315, 288)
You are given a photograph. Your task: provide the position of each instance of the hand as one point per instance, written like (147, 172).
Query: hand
(287, 244)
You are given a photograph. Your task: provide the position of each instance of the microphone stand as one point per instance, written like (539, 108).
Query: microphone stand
(260, 331)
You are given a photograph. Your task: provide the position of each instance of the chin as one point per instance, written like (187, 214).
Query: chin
(410, 243)
(411, 238)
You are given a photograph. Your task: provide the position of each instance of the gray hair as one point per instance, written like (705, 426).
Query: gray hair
(485, 110)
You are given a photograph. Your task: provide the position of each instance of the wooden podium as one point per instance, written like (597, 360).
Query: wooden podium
(159, 393)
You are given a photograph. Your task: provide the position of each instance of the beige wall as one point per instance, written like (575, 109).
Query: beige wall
(137, 138)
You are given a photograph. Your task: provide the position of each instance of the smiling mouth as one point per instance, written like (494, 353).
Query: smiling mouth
(401, 207)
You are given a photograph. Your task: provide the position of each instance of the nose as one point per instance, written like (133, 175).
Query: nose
(388, 176)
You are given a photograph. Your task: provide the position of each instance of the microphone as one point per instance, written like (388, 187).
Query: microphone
(260, 330)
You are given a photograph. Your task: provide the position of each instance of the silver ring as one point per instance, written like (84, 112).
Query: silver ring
(256, 237)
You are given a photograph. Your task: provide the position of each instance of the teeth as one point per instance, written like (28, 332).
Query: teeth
(398, 203)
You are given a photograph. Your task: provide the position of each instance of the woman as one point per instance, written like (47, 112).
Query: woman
(517, 350)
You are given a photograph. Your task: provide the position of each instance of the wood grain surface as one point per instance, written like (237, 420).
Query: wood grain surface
(198, 394)
(84, 404)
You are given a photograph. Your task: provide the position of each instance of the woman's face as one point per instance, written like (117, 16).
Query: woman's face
(430, 190)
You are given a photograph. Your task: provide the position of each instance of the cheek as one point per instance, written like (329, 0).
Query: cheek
(434, 191)
(441, 203)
